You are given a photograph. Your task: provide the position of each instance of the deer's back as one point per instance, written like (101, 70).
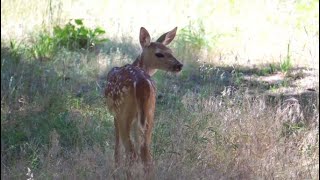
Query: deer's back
(124, 82)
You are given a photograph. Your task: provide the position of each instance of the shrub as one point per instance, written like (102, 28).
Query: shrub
(74, 35)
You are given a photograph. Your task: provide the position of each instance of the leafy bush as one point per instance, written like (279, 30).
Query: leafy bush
(74, 35)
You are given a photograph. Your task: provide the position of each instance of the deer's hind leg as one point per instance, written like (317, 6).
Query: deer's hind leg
(125, 128)
(117, 143)
(145, 153)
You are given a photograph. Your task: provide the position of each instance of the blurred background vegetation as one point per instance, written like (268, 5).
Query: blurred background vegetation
(245, 106)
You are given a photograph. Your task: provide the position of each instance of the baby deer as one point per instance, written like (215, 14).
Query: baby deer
(131, 97)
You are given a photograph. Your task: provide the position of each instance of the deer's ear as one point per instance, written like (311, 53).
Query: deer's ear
(167, 37)
(144, 37)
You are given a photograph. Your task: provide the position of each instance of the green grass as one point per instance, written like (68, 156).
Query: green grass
(45, 120)
(43, 47)
(286, 64)
(39, 101)
(272, 68)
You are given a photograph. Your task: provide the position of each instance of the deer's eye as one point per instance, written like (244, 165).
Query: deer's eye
(159, 55)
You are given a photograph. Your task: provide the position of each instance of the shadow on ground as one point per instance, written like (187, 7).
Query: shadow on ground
(299, 85)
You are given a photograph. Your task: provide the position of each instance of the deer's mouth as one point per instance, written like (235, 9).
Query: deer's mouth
(177, 67)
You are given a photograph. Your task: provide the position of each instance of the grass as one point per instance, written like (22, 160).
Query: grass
(197, 132)
(286, 64)
(211, 121)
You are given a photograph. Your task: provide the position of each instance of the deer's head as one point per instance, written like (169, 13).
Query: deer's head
(156, 55)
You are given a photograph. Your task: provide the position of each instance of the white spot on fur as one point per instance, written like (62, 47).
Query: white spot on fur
(124, 89)
(150, 83)
(134, 85)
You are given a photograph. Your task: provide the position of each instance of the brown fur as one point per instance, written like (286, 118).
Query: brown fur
(131, 98)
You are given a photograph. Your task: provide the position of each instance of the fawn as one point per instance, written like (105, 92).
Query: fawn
(131, 97)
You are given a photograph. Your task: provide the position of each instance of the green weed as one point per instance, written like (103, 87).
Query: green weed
(292, 128)
(238, 77)
(75, 35)
(195, 36)
(283, 83)
(43, 47)
(286, 64)
(272, 68)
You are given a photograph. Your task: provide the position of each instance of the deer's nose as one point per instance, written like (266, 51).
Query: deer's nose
(178, 67)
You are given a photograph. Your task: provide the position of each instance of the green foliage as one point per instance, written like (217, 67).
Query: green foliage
(74, 35)
(15, 49)
(274, 87)
(43, 47)
(272, 68)
(73, 132)
(307, 13)
(195, 36)
(36, 101)
(292, 128)
(237, 76)
(286, 64)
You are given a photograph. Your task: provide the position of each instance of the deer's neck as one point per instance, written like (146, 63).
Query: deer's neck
(139, 62)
